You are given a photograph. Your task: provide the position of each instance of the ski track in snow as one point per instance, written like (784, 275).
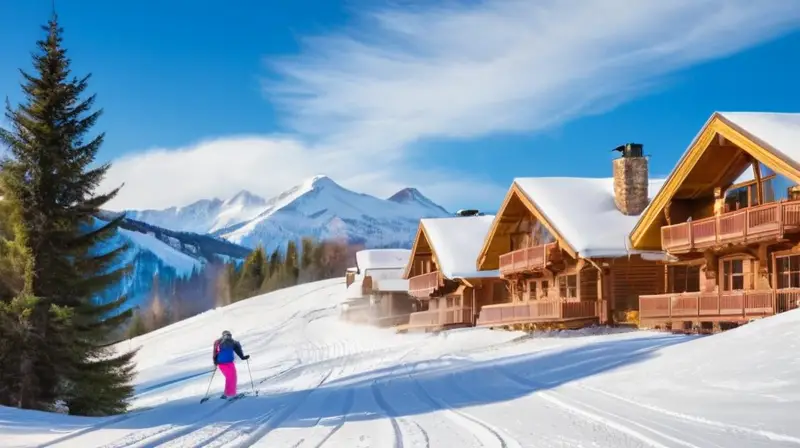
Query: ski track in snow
(322, 383)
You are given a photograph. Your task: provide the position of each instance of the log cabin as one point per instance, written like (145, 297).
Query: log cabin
(442, 276)
(728, 216)
(377, 292)
(561, 244)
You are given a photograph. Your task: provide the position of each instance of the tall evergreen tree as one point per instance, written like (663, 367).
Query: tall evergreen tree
(47, 176)
(253, 274)
(291, 262)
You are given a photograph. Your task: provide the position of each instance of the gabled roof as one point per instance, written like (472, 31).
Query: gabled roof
(579, 212)
(382, 258)
(771, 138)
(454, 243)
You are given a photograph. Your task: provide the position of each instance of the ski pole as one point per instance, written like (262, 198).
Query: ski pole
(213, 372)
(251, 377)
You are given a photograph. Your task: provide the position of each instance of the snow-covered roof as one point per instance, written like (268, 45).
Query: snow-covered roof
(781, 131)
(382, 258)
(457, 243)
(583, 212)
(391, 284)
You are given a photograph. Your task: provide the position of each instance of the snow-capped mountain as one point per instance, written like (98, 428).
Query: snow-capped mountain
(204, 216)
(319, 207)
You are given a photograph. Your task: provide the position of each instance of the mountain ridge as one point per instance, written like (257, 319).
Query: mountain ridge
(317, 207)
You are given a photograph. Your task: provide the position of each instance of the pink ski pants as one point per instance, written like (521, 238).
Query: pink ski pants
(228, 369)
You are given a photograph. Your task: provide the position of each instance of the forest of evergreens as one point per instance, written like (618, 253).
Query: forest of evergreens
(221, 284)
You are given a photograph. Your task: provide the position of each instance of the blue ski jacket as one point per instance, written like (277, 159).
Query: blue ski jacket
(224, 350)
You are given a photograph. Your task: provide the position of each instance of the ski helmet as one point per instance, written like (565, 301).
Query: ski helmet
(226, 334)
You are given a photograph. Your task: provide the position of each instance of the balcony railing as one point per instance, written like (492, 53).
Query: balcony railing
(389, 321)
(526, 259)
(728, 304)
(441, 318)
(540, 311)
(761, 222)
(423, 285)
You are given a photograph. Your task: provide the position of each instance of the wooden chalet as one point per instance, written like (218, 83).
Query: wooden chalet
(729, 217)
(376, 291)
(561, 244)
(441, 274)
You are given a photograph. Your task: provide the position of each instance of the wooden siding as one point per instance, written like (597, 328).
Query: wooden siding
(631, 278)
(588, 283)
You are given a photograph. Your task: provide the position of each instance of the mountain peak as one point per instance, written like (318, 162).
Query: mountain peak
(318, 181)
(245, 198)
(412, 195)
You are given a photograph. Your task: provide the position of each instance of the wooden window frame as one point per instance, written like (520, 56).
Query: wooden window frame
(565, 287)
(725, 282)
(777, 275)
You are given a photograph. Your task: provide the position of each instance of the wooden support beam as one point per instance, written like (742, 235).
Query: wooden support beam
(759, 187)
(667, 212)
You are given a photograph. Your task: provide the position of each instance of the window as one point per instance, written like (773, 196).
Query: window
(683, 278)
(734, 277)
(736, 199)
(787, 268)
(568, 286)
(545, 288)
(532, 290)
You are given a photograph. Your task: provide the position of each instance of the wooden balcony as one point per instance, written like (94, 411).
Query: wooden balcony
(764, 222)
(441, 318)
(541, 311)
(389, 321)
(724, 306)
(424, 285)
(528, 259)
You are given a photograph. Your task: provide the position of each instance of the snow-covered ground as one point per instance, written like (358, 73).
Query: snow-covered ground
(323, 382)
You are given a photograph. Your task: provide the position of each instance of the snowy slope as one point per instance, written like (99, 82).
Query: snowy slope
(318, 207)
(323, 382)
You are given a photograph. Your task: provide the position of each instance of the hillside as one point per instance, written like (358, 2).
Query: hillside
(323, 382)
(319, 207)
(168, 256)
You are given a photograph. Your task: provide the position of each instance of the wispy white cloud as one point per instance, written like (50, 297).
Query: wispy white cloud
(357, 99)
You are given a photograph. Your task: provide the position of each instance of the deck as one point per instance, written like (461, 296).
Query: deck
(422, 286)
(433, 320)
(761, 223)
(734, 306)
(528, 259)
(540, 312)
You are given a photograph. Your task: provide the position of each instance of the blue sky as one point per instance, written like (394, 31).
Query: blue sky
(455, 98)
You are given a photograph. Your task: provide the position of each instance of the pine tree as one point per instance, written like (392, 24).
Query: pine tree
(48, 177)
(291, 263)
(253, 274)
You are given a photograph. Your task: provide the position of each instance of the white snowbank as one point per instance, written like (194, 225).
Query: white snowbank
(583, 211)
(457, 243)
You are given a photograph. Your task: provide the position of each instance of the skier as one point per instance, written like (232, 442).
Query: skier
(224, 348)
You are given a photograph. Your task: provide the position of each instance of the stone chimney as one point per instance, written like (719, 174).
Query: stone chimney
(630, 179)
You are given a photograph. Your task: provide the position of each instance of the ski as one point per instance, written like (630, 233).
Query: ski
(233, 398)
